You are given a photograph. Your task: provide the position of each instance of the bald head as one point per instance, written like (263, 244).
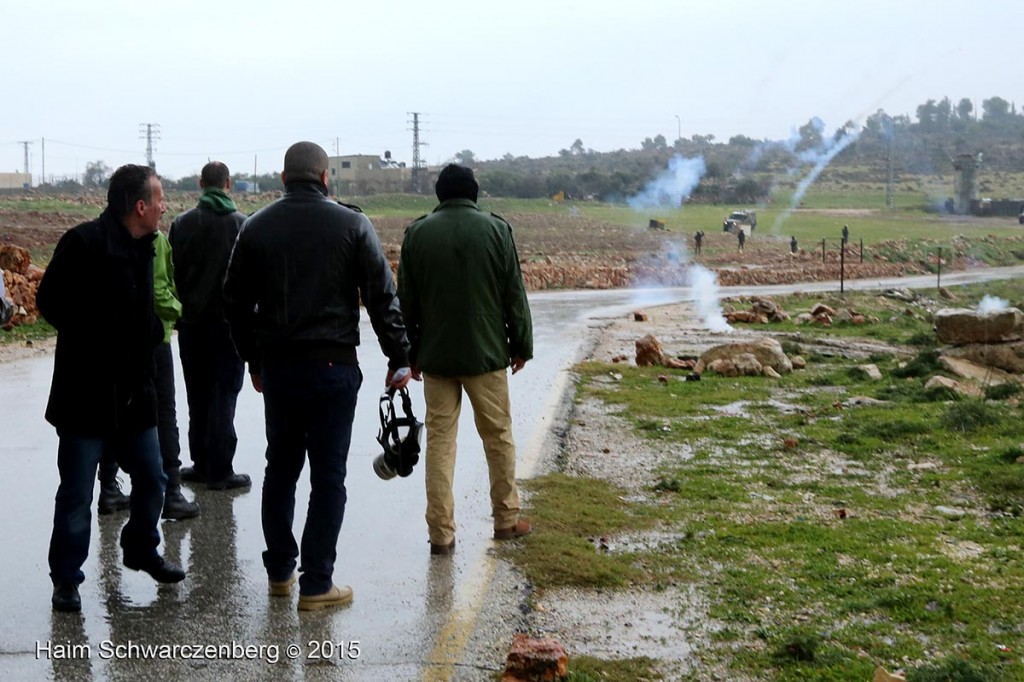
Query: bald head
(305, 161)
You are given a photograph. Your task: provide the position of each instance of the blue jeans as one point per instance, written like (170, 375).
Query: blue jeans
(213, 378)
(138, 454)
(309, 408)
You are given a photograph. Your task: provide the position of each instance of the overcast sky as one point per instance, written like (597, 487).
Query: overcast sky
(240, 81)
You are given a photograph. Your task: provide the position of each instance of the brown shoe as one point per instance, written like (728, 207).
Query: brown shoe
(336, 596)
(443, 550)
(282, 588)
(521, 528)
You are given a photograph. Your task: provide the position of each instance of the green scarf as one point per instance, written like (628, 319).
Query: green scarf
(217, 201)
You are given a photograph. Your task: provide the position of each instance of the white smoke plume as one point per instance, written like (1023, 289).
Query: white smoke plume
(672, 186)
(990, 304)
(704, 296)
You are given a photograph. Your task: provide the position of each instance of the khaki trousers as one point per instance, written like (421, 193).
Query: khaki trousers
(488, 395)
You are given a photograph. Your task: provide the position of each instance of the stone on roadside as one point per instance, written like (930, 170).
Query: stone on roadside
(649, 352)
(535, 660)
(966, 390)
(959, 326)
(798, 361)
(771, 373)
(869, 371)
(950, 512)
(767, 352)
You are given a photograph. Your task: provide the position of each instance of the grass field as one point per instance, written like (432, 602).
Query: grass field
(892, 534)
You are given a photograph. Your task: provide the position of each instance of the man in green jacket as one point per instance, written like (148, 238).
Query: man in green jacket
(468, 320)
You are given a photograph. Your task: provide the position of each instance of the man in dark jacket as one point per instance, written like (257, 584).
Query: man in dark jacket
(201, 242)
(297, 273)
(465, 308)
(98, 293)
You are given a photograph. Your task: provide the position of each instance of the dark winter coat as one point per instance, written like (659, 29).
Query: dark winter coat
(98, 293)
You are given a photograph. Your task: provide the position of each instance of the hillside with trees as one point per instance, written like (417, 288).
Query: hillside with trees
(743, 170)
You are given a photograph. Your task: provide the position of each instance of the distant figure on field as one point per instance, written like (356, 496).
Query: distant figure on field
(202, 239)
(792, 244)
(98, 293)
(741, 237)
(846, 235)
(698, 240)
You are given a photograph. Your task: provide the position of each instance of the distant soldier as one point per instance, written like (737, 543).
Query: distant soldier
(698, 240)
(792, 244)
(846, 235)
(741, 237)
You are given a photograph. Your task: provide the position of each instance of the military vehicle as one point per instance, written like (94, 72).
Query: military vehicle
(737, 218)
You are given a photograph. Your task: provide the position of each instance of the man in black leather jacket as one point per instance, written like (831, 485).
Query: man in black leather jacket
(297, 274)
(201, 241)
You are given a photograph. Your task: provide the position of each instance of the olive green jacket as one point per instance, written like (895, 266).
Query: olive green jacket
(461, 292)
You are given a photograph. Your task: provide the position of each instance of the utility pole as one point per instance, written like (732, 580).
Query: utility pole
(418, 166)
(149, 132)
(25, 144)
(42, 180)
(890, 201)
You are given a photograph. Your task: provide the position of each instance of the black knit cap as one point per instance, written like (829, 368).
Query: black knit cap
(456, 182)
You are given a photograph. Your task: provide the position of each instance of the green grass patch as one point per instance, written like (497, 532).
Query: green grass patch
(570, 515)
(823, 561)
(589, 669)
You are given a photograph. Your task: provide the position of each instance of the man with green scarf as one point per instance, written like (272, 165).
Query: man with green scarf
(201, 241)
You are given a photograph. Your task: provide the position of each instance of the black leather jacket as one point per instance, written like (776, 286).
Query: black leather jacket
(297, 273)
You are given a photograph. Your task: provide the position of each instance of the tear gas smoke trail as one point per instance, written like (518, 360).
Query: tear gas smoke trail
(672, 186)
(821, 158)
(990, 303)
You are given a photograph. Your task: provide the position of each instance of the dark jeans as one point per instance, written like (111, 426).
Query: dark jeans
(309, 409)
(167, 417)
(213, 378)
(167, 421)
(77, 458)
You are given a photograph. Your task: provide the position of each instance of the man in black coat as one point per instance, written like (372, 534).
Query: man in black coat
(201, 242)
(98, 293)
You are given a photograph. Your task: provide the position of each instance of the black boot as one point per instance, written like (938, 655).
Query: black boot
(111, 498)
(176, 506)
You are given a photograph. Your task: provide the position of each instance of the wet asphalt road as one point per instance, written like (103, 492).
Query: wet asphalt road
(403, 597)
(412, 613)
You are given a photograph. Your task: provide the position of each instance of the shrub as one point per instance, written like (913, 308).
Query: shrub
(969, 416)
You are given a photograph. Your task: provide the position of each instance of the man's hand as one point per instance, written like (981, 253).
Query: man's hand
(398, 378)
(517, 364)
(257, 382)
